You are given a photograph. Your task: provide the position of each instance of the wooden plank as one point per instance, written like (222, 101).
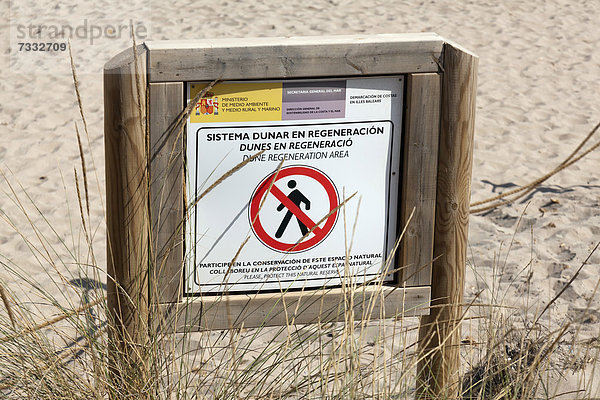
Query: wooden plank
(439, 335)
(311, 306)
(277, 58)
(166, 190)
(298, 40)
(419, 174)
(127, 220)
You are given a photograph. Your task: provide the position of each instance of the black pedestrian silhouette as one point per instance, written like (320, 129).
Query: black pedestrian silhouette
(297, 198)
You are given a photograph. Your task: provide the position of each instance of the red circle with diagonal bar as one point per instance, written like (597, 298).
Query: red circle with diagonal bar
(318, 233)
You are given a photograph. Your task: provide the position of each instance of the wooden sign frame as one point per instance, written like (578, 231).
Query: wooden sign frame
(144, 136)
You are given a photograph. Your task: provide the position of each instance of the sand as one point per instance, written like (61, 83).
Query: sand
(537, 99)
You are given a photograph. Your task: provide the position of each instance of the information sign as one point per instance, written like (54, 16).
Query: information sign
(336, 137)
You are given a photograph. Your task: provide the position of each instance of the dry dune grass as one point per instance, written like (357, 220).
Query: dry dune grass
(510, 356)
(507, 355)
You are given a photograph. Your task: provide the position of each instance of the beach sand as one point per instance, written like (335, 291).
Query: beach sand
(537, 98)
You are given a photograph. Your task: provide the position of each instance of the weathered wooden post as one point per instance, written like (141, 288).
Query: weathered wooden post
(127, 217)
(155, 153)
(439, 335)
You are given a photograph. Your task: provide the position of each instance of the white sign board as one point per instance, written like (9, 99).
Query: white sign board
(337, 137)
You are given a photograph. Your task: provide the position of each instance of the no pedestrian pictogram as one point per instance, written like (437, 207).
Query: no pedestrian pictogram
(308, 189)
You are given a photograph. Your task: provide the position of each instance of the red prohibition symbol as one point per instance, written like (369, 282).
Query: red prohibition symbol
(292, 205)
